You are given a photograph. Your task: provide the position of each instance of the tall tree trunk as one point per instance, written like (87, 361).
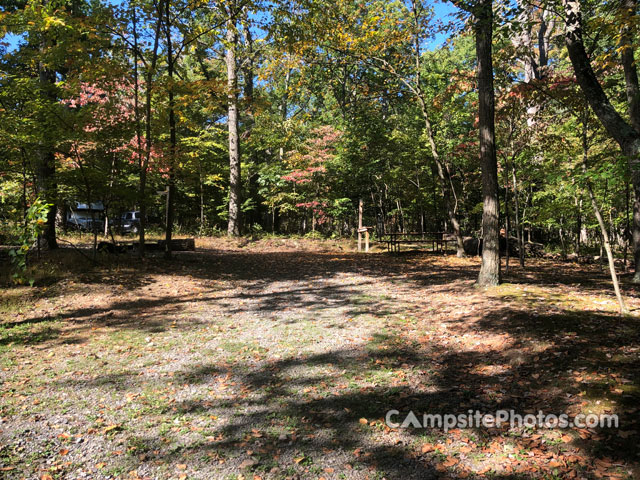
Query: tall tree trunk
(46, 184)
(249, 120)
(624, 133)
(490, 268)
(171, 187)
(628, 62)
(633, 101)
(136, 108)
(233, 228)
(144, 161)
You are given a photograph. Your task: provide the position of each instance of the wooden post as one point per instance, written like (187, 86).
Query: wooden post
(360, 225)
(366, 241)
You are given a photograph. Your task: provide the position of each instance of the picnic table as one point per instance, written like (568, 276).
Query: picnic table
(438, 240)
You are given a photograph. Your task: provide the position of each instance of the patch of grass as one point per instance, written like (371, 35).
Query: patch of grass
(232, 346)
(15, 301)
(28, 332)
(137, 445)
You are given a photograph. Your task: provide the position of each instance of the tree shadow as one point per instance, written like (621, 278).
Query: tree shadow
(304, 408)
(309, 407)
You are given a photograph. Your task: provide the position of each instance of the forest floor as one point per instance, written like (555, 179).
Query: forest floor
(280, 358)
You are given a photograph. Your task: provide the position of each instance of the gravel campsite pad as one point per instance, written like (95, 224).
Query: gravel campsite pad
(280, 358)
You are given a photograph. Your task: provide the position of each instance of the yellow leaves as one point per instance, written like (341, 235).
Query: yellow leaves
(110, 428)
(51, 21)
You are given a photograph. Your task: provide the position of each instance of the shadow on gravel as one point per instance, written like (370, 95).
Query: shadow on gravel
(302, 410)
(318, 400)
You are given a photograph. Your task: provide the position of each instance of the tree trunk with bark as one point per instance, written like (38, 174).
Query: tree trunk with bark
(490, 268)
(633, 101)
(46, 184)
(171, 187)
(233, 228)
(144, 161)
(624, 133)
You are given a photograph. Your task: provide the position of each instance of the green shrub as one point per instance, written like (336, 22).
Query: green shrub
(34, 225)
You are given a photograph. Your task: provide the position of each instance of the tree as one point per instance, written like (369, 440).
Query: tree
(46, 166)
(145, 144)
(233, 227)
(173, 141)
(596, 210)
(622, 131)
(490, 268)
(414, 83)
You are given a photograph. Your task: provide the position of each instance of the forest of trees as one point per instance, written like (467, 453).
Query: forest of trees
(242, 116)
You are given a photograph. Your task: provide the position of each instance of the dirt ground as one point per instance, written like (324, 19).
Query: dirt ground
(279, 359)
